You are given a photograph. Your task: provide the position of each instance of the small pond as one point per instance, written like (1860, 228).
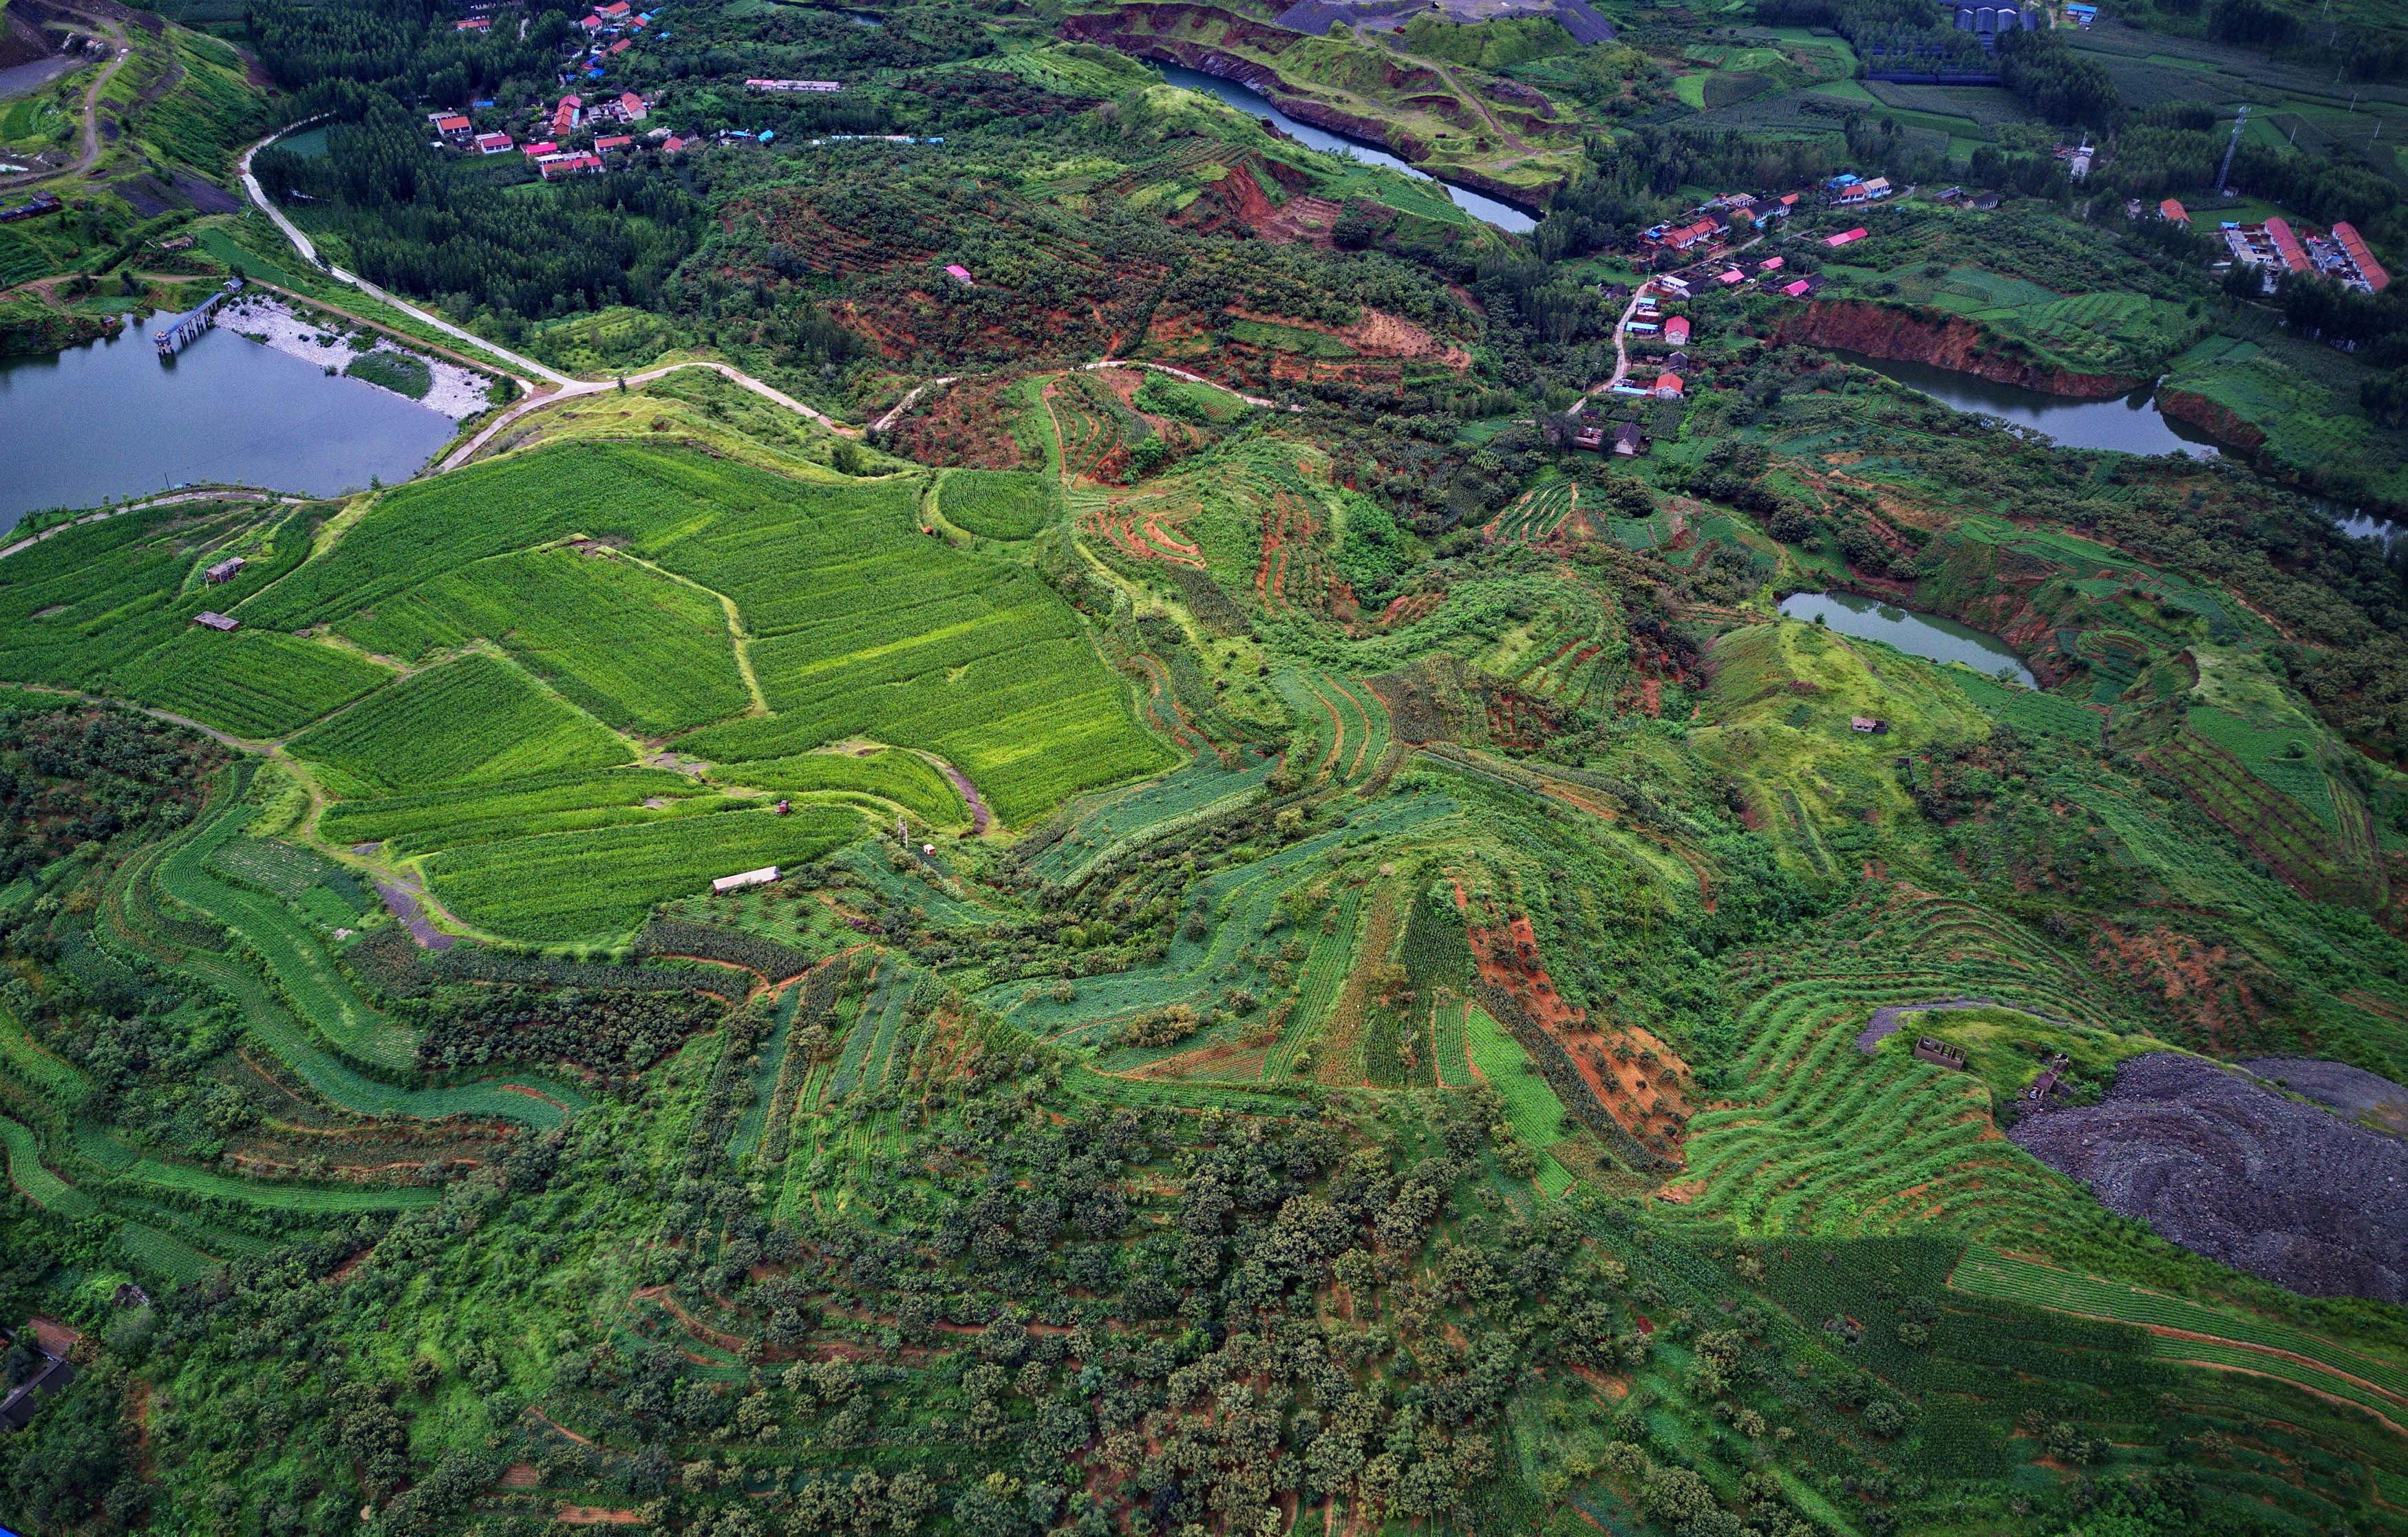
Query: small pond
(1487, 209)
(2126, 424)
(1919, 635)
(114, 419)
(2365, 526)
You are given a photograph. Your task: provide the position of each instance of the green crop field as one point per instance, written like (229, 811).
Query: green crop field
(427, 821)
(601, 883)
(997, 503)
(1531, 1107)
(472, 722)
(887, 772)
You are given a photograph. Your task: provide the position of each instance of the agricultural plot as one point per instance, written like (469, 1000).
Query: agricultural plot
(998, 504)
(600, 884)
(302, 969)
(889, 774)
(414, 824)
(1535, 515)
(1531, 1107)
(2027, 709)
(2251, 1342)
(1109, 827)
(1823, 1139)
(476, 720)
(1348, 719)
(640, 650)
(327, 892)
(1242, 904)
(1324, 974)
(249, 683)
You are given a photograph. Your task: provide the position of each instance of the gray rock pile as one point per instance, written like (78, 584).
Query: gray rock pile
(2228, 1168)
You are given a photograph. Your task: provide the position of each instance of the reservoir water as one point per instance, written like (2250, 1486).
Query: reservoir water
(2365, 526)
(1918, 634)
(2128, 424)
(114, 419)
(1253, 104)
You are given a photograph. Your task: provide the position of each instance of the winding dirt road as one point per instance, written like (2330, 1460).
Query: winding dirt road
(90, 152)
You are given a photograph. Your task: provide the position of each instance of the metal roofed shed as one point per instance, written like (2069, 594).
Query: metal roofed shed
(217, 621)
(761, 877)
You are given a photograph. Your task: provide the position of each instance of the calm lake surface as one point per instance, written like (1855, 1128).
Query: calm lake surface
(2129, 424)
(1487, 209)
(1919, 635)
(2364, 525)
(113, 420)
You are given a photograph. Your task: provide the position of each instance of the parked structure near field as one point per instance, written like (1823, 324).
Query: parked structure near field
(223, 571)
(211, 620)
(761, 877)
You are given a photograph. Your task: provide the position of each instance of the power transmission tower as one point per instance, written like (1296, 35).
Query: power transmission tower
(2224, 176)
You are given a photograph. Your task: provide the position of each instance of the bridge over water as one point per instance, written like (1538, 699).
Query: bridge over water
(180, 332)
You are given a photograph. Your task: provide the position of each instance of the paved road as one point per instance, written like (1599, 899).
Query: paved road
(576, 388)
(308, 250)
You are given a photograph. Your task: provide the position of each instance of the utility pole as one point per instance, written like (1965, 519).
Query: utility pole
(2224, 176)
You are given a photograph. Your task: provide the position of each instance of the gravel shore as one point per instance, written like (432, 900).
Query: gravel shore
(457, 392)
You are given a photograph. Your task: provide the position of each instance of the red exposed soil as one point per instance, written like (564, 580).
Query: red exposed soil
(1907, 334)
(966, 425)
(2218, 421)
(596, 1516)
(1288, 527)
(1409, 608)
(1635, 1075)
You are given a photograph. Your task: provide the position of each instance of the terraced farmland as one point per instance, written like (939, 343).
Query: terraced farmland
(478, 720)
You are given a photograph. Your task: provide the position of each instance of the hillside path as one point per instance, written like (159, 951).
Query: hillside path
(91, 129)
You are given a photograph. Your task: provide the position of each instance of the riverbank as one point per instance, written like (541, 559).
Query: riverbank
(1902, 333)
(453, 390)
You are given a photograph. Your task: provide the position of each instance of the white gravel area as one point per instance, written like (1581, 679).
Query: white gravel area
(457, 392)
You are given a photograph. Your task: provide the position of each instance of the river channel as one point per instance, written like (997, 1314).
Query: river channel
(1488, 210)
(1918, 634)
(113, 420)
(2129, 424)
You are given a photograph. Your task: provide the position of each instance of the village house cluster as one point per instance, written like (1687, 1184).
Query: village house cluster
(2274, 247)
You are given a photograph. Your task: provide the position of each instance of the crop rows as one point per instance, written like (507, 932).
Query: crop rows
(1988, 1273)
(1531, 1107)
(417, 824)
(1451, 1018)
(1356, 729)
(642, 650)
(1109, 827)
(997, 503)
(1325, 971)
(1537, 514)
(599, 884)
(300, 966)
(904, 778)
(1241, 904)
(478, 720)
(767, 1077)
(881, 1010)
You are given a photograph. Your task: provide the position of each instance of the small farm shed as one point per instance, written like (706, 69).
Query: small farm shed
(1872, 725)
(217, 621)
(761, 877)
(223, 571)
(1629, 440)
(1926, 1049)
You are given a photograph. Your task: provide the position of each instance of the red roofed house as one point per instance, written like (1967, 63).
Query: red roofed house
(622, 46)
(617, 10)
(1845, 238)
(1676, 331)
(537, 151)
(1775, 265)
(494, 144)
(2370, 271)
(565, 118)
(453, 125)
(1728, 278)
(474, 23)
(631, 107)
(673, 144)
(560, 166)
(2286, 245)
(959, 274)
(1668, 387)
(1800, 288)
(592, 24)
(2172, 212)
(615, 141)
